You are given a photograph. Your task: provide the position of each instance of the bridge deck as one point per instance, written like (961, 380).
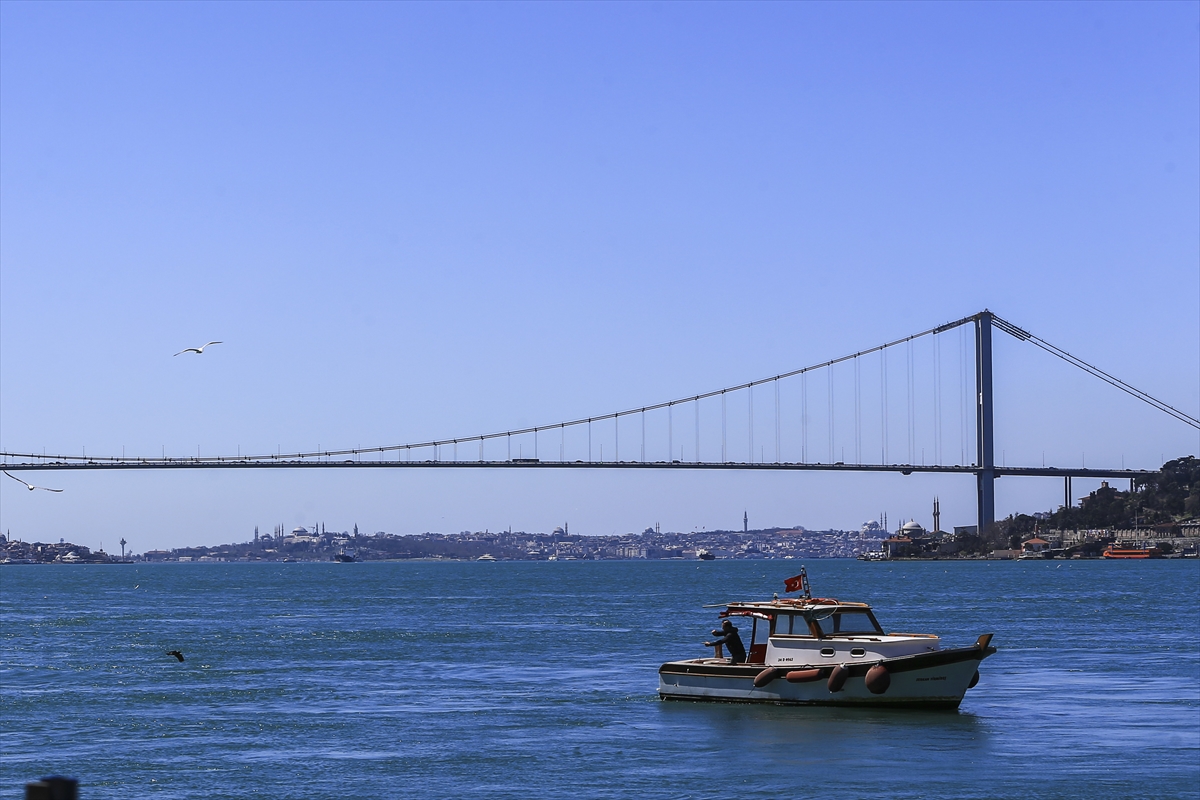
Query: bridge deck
(235, 463)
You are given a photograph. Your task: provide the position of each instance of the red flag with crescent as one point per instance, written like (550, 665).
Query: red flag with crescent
(794, 584)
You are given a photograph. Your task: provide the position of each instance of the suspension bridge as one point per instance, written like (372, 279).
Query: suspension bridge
(697, 444)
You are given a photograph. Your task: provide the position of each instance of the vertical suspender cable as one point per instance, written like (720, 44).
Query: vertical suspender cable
(962, 393)
(697, 409)
(829, 384)
(776, 420)
(937, 399)
(857, 412)
(723, 457)
(750, 405)
(804, 417)
(883, 396)
(909, 396)
(912, 396)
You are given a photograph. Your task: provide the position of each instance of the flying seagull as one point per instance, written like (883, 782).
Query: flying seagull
(29, 486)
(175, 653)
(196, 350)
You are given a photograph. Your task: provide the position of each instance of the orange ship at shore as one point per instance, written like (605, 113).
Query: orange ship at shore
(1121, 551)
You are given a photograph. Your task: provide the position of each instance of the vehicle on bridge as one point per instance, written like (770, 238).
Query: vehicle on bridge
(821, 651)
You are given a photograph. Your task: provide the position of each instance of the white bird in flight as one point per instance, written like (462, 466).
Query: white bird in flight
(196, 350)
(29, 486)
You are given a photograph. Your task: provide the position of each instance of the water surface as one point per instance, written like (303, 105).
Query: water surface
(538, 679)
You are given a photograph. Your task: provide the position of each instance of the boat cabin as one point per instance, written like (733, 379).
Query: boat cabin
(811, 631)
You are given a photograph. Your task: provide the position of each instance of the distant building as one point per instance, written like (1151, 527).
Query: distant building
(872, 527)
(910, 541)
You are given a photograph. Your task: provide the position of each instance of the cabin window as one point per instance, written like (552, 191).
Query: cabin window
(791, 625)
(797, 625)
(848, 622)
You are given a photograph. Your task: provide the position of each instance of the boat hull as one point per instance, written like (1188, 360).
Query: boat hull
(928, 680)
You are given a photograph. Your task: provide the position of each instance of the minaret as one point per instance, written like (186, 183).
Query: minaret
(937, 516)
(745, 522)
(256, 534)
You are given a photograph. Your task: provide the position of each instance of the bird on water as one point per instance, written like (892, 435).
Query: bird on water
(196, 350)
(30, 486)
(175, 653)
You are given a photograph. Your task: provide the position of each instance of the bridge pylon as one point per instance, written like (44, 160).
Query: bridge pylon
(985, 473)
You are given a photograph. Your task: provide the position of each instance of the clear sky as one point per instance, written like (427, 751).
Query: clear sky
(409, 220)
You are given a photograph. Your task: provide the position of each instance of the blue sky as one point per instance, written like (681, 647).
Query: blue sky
(409, 221)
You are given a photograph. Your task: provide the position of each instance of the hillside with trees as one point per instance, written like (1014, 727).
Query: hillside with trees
(1161, 501)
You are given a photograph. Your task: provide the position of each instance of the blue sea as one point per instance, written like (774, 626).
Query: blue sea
(518, 679)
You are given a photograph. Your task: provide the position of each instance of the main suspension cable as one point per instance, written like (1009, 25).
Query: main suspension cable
(1026, 336)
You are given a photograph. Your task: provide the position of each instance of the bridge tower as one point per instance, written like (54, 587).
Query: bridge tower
(985, 473)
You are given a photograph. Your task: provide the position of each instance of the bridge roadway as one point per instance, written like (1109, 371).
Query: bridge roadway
(233, 462)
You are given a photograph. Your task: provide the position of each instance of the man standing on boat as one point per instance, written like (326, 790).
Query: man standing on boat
(729, 638)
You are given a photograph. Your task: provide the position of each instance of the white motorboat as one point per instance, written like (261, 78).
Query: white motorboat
(821, 651)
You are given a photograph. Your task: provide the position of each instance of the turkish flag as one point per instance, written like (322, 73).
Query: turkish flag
(793, 584)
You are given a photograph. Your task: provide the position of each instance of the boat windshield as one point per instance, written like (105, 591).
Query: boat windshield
(846, 622)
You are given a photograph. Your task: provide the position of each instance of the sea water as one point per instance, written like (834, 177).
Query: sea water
(520, 679)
